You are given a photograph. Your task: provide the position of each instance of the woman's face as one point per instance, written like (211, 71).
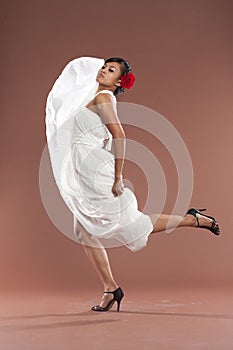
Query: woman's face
(109, 75)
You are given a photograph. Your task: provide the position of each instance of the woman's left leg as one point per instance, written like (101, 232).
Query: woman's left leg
(99, 259)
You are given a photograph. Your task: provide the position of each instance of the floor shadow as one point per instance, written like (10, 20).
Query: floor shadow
(125, 312)
(211, 316)
(85, 313)
(54, 325)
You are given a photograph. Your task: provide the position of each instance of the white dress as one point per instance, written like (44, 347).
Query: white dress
(87, 180)
(86, 172)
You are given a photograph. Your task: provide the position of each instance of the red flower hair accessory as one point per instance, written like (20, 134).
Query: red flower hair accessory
(127, 80)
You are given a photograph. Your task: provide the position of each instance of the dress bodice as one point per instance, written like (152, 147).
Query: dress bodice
(89, 129)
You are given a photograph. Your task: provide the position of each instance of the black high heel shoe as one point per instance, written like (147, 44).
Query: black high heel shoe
(118, 295)
(213, 228)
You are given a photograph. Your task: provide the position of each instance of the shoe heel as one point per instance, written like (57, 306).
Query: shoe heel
(118, 306)
(118, 295)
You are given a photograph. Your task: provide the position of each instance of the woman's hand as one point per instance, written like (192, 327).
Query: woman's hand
(118, 187)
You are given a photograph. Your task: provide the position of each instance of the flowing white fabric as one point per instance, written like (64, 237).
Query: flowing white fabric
(79, 144)
(72, 90)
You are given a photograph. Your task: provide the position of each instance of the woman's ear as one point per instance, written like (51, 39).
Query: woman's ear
(118, 83)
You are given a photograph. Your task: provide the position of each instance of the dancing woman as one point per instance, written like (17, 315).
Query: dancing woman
(92, 180)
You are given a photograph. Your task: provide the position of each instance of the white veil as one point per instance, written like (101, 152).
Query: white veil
(73, 89)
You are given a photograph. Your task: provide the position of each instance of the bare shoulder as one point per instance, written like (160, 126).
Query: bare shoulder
(103, 98)
(105, 108)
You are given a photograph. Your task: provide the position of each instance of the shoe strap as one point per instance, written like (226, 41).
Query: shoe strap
(113, 291)
(197, 221)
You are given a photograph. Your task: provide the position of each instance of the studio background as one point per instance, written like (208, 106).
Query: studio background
(181, 53)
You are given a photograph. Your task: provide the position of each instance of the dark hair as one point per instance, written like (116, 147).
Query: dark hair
(125, 68)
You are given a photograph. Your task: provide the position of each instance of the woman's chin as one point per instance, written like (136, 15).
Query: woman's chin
(99, 80)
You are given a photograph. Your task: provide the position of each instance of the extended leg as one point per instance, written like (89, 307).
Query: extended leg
(161, 222)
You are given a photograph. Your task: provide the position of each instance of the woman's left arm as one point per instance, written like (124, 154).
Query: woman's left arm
(107, 113)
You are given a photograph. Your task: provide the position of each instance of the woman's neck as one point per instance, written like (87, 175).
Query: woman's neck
(102, 87)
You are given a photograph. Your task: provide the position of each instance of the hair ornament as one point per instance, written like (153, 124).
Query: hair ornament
(127, 80)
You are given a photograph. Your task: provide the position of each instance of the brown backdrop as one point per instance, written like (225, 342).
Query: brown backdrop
(182, 55)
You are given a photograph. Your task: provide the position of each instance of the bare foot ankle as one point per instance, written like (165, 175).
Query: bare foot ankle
(110, 287)
(204, 221)
(191, 220)
(106, 299)
(108, 296)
